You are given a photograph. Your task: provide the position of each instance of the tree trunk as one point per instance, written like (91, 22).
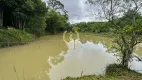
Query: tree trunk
(16, 22)
(111, 12)
(125, 60)
(1, 17)
(126, 57)
(24, 25)
(19, 24)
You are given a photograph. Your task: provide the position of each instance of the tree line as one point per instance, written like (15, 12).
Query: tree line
(34, 16)
(93, 27)
(107, 27)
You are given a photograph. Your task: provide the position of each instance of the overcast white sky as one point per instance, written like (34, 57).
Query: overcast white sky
(78, 11)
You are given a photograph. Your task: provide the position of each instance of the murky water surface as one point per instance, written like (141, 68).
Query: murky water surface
(41, 58)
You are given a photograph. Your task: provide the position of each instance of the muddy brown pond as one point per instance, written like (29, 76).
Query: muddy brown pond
(31, 61)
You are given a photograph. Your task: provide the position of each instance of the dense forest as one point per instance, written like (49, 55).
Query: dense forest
(35, 18)
(32, 15)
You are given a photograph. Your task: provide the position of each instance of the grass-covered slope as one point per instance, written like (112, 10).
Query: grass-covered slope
(113, 72)
(14, 37)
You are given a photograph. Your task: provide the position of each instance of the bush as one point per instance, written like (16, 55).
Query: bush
(14, 37)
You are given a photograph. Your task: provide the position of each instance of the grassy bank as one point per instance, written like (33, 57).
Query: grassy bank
(113, 72)
(14, 37)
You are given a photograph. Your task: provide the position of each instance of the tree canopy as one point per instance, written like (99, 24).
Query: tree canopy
(23, 10)
(35, 16)
(57, 17)
(124, 16)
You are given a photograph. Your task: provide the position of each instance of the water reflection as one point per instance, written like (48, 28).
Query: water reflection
(84, 59)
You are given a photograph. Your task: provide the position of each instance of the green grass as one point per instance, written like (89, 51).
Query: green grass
(113, 72)
(14, 37)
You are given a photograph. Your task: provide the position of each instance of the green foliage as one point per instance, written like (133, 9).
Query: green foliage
(55, 22)
(126, 28)
(29, 14)
(127, 19)
(57, 6)
(36, 25)
(32, 16)
(14, 37)
(35, 17)
(138, 29)
(36, 21)
(75, 28)
(128, 34)
(57, 17)
(97, 27)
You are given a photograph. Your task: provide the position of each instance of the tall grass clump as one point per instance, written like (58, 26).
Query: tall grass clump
(14, 37)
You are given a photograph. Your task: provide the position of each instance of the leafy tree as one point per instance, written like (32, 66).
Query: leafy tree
(20, 10)
(36, 22)
(55, 22)
(126, 34)
(56, 17)
(21, 13)
(27, 14)
(56, 6)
